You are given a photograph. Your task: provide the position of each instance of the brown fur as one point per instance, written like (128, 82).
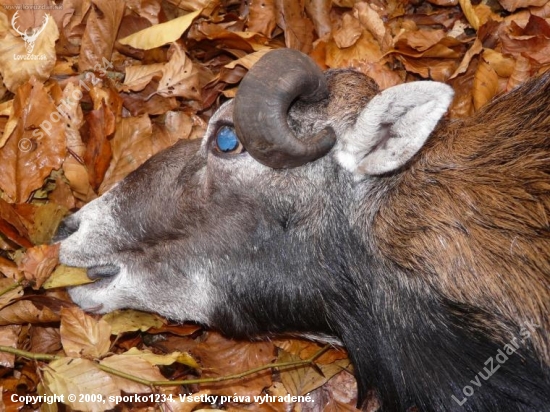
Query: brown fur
(471, 214)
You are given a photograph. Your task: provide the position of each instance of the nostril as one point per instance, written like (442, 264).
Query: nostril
(64, 230)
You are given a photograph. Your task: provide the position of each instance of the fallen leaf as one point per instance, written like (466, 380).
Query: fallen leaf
(179, 77)
(100, 34)
(44, 339)
(9, 291)
(350, 31)
(319, 11)
(38, 263)
(82, 335)
(36, 146)
(262, 17)
(16, 67)
(160, 34)
(297, 26)
(131, 146)
(64, 276)
(220, 356)
(135, 366)
(512, 5)
(122, 321)
(24, 311)
(80, 376)
(138, 76)
(485, 84)
(9, 336)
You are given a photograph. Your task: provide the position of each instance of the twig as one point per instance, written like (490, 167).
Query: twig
(282, 365)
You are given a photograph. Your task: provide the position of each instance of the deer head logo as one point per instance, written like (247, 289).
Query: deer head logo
(31, 34)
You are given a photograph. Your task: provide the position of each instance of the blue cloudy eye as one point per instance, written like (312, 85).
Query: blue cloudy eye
(226, 139)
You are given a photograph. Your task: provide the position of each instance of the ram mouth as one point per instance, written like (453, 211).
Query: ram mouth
(102, 271)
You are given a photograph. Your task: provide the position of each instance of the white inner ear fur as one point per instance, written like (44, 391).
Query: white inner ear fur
(393, 127)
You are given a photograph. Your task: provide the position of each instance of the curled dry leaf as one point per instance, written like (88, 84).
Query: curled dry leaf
(38, 263)
(372, 21)
(36, 146)
(15, 67)
(179, 76)
(12, 225)
(160, 34)
(82, 335)
(297, 26)
(80, 376)
(132, 320)
(350, 31)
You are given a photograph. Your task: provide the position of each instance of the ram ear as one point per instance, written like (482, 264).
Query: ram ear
(393, 127)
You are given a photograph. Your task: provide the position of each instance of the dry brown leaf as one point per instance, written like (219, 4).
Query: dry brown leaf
(372, 21)
(138, 76)
(7, 110)
(521, 73)
(12, 226)
(380, 73)
(9, 336)
(100, 34)
(306, 349)
(9, 269)
(319, 11)
(7, 296)
(31, 152)
(45, 220)
(38, 263)
(512, 5)
(82, 335)
(179, 76)
(132, 320)
(350, 31)
(476, 48)
(531, 41)
(262, 17)
(24, 311)
(220, 356)
(136, 366)
(80, 376)
(44, 339)
(300, 381)
(485, 84)
(502, 65)
(131, 146)
(366, 49)
(297, 26)
(16, 67)
(160, 34)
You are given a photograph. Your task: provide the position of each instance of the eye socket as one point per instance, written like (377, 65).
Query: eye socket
(226, 141)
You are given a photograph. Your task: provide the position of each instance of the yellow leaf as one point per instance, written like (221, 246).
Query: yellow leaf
(70, 376)
(82, 335)
(64, 276)
(131, 320)
(469, 12)
(168, 359)
(160, 34)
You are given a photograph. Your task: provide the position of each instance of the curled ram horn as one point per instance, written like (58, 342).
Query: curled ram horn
(262, 103)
